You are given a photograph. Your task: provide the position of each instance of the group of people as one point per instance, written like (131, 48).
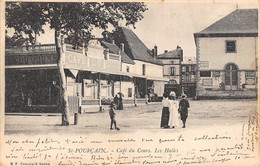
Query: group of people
(171, 110)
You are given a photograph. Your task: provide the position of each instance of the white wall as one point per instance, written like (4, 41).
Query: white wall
(131, 67)
(213, 50)
(124, 88)
(151, 70)
(159, 87)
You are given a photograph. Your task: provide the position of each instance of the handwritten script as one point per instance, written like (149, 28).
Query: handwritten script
(228, 144)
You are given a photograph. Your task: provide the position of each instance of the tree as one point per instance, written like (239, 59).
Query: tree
(75, 19)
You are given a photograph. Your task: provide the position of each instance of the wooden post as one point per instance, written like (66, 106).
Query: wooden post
(135, 100)
(75, 118)
(99, 92)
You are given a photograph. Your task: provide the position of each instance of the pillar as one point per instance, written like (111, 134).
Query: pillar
(99, 92)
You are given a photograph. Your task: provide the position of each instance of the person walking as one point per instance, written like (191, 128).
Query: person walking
(173, 108)
(183, 109)
(165, 111)
(112, 115)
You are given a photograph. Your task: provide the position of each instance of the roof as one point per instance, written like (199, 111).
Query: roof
(239, 21)
(114, 49)
(134, 47)
(174, 54)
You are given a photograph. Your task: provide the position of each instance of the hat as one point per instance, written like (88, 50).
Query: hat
(172, 94)
(183, 96)
(112, 104)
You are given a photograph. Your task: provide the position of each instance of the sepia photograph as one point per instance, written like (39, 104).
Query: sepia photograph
(129, 83)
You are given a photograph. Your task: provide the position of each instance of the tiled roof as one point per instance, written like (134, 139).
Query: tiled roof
(239, 21)
(170, 54)
(115, 50)
(134, 47)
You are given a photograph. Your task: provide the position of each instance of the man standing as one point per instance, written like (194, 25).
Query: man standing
(183, 109)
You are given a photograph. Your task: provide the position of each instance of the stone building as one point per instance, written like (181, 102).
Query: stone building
(96, 72)
(172, 69)
(226, 55)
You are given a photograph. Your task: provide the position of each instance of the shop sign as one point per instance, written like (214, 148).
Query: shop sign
(31, 59)
(204, 64)
(250, 74)
(207, 82)
(174, 77)
(216, 73)
(250, 81)
(78, 61)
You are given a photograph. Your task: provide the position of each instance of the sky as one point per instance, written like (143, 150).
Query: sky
(168, 24)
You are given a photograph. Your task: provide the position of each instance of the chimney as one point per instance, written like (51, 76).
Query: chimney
(122, 47)
(155, 51)
(113, 41)
(165, 51)
(180, 52)
(152, 52)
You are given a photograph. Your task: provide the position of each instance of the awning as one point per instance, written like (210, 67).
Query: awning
(158, 78)
(113, 73)
(137, 75)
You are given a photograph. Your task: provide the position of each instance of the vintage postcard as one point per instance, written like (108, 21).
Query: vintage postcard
(129, 83)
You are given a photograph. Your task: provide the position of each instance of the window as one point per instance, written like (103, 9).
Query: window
(143, 69)
(187, 69)
(230, 46)
(205, 73)
(172, 71)
(129, 92)
(172, 62)
(127, 68)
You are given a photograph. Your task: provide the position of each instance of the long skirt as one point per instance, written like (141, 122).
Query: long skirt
(165, 117)
(120, 105)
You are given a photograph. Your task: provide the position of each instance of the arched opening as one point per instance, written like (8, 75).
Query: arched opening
(231, 78)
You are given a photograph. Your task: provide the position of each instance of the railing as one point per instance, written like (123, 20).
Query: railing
(34, 48)
(41, 48)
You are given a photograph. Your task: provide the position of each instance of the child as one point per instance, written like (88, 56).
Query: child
(112, 115)
(183, 109)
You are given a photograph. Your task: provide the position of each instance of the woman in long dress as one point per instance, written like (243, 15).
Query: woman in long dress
(165, 111)
(173, 108)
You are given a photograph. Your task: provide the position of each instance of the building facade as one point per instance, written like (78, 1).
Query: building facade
(226, 54)
(96, 73)
(172, 69)
(188, 74)
(148, 69)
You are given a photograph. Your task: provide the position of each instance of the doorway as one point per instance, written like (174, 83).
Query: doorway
(231, 78)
